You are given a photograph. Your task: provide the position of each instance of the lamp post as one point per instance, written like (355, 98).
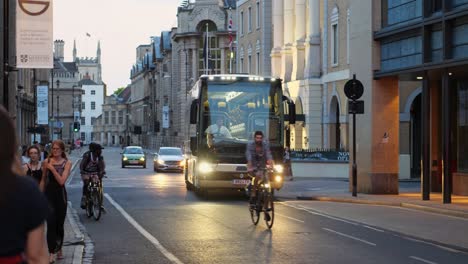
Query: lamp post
(58, 104)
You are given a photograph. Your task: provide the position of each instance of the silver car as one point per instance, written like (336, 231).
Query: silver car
(169, 159)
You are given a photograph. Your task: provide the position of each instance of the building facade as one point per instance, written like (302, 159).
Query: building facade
(255, 38)
(92, 99)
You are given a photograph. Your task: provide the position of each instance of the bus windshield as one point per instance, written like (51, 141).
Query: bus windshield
(233, 111)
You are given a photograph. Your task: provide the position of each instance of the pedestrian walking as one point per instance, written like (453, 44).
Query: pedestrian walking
(33, 167)
(56, 170)
(287, 164)
(22, 206)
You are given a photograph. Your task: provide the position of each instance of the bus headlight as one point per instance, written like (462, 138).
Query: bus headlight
(278, 178)
(278, 168)
(205, 167)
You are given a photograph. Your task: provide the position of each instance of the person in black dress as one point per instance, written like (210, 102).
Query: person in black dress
(57, 169)
(33, 167)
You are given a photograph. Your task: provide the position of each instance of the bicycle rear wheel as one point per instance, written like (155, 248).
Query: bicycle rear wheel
(270, 210)
(97, 202)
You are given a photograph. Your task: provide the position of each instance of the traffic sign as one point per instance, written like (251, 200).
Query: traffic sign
(353, 89)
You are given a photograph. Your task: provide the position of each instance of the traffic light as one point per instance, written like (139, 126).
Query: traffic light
(76, 126)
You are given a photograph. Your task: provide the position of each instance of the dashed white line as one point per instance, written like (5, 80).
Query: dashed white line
(289, 218)
(432, 244)
(142, 231)
(423, 260)
(373, 228)
(351, 237)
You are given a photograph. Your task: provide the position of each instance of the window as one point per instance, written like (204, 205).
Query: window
(83, 121)
(93, 121)
(258, 15)
(334, 45)
(241, 23)
(120, 117)
(257, 66)
(113, 117)
(250, 19)
(83, 92)
(93, 105)
(249, 64)
(334, 37)
(241, 66)
(83, 136)
(462, 126)
(93, 92)
(92, 136)
(106, 118)
(83, 105)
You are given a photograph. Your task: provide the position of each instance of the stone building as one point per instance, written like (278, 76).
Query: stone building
(254, 40)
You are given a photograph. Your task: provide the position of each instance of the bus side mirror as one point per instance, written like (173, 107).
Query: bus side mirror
(193, 145)
(193, 112)
(292, 112)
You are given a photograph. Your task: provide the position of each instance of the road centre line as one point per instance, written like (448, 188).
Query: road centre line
(422, 260)
(311, 211)
(142, 231)
(290, 218)
(349, 236)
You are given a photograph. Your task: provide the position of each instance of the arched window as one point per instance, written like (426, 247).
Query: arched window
(334, 36)
(209, 52)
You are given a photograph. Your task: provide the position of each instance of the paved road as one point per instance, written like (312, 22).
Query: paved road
(151, 218)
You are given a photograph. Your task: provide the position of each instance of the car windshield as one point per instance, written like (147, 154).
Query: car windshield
(170, 152)
(133, 151)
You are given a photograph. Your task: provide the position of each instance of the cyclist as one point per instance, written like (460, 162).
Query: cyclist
(258, 159)
(91, 163)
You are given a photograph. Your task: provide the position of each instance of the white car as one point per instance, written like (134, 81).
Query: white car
(169, 159)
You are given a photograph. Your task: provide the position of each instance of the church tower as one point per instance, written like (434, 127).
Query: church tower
(98, 53)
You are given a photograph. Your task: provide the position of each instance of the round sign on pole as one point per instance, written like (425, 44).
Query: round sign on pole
(353, 89)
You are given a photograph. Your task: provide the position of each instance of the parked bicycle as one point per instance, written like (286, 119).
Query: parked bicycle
(265, 200)
(94, 198)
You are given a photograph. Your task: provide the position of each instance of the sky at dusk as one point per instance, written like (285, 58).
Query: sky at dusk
(120, 25)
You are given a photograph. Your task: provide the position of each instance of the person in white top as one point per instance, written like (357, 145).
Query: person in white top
(217, 130)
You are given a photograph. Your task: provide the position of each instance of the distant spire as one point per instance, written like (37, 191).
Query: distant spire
(74, 50)
(99, 51)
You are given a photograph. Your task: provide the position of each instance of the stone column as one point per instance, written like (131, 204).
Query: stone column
(223, 62)
(278, 31)
(286, 64)
(109, 139)
(299, 44)
(312, 49)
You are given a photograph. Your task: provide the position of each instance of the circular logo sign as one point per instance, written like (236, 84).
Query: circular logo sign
(353, 89)
(34, 7)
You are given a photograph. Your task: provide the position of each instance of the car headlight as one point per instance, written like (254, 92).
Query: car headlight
(182, 163)
(160, 161)
(205, 167)
(278, 178)
(142, 159)
(124, 158)
(278, 168)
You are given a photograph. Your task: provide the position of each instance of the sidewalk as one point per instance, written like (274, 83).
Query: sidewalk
(337, 190)
(75, 239)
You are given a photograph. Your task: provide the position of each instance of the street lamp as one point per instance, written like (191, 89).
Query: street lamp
(58, 104)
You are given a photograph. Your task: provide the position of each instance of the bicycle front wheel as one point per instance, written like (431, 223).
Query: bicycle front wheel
(97, 202)
(254, 213)
(269, 210)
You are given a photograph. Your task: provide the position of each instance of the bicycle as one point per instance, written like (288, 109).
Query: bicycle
(264, 202)
(94, 197)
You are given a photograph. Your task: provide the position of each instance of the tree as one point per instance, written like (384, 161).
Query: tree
(119, 90)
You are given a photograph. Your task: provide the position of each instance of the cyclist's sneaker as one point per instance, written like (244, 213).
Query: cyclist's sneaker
(267, 216)
(83, 203)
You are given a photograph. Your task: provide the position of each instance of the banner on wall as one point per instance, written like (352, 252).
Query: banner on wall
(34, 34)
(42, 105)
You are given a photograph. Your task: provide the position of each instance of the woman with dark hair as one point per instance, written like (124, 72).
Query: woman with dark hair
(33, 167)
(56, 170)
(22, 232)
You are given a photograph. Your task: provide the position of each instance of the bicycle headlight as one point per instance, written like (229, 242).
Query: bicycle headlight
(205, 167)
(278, 168)
(267, 185)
